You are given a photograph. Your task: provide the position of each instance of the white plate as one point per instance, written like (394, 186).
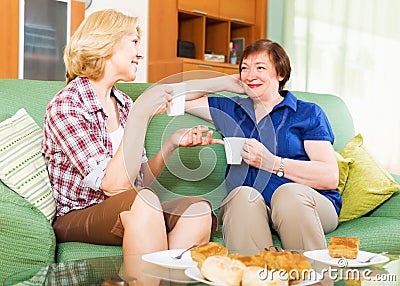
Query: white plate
(195, 274)
(322, 255)
(168, 274)
(164, 258)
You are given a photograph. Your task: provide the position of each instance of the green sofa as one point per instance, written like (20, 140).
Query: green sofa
(27, 238)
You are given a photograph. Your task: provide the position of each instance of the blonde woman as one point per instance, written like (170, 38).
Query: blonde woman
(99, 183)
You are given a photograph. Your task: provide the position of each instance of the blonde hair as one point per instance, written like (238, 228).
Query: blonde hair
(94, 40)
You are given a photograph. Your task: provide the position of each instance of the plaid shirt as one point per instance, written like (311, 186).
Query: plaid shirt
(77, 146)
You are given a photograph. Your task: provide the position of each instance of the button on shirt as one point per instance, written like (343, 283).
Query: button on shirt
(77, 145)
(283, 132)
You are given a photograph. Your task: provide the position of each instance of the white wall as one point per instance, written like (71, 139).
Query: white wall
(137, 8)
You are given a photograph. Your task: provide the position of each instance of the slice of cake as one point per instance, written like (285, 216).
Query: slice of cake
(344, 247)
(295, 265)
(249, 260)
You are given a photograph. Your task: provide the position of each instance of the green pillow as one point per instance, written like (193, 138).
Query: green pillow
(368, 184)
(22, 165)
(344, 167)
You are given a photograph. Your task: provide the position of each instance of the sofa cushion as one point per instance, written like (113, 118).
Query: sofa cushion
(390, 208)
(337, 112)
(26, 237)
(68, 251)
(368, 184)
(376, 234)
(22, 165)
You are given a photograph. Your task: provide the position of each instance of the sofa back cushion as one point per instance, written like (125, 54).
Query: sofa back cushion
(338, 114)
(33, 95)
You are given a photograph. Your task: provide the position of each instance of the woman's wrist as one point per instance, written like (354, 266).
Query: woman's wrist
(169, 145)
(277, 162)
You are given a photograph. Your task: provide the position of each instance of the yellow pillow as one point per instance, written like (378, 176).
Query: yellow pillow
(344, 167)
(368, 184)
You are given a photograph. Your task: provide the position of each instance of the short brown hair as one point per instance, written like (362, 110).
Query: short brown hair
(277, 55)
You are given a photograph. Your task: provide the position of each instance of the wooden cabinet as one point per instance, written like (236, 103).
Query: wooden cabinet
(9, 33)
(203, 7)
(193, 64)
(77, 15)
(208, 25)
(9, 10)
(194, 69)
(238, 10)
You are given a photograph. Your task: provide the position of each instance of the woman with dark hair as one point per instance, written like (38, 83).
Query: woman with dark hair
(288, 177)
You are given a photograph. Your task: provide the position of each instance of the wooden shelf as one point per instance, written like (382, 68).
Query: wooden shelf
(209, 25)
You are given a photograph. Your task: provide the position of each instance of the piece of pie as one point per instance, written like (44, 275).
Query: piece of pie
(344, 247)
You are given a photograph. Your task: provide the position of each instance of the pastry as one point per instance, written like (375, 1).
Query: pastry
(258, 276)
(344, 247)
(251, 260)
(295, 265)
(222, 269)
(200, 253)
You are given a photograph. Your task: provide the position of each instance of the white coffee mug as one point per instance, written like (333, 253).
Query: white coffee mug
(177, 105)
(233, 148)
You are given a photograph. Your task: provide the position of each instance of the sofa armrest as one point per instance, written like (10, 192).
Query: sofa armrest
(27, 238)
(390, 208)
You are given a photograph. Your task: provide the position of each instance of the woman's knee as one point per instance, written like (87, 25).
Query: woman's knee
(202, 208)
(242, 196)
(146, 207)
(246, 204)
(290, 195)
(199, 213)
(146, 199)
(197, 220)
(290, 202)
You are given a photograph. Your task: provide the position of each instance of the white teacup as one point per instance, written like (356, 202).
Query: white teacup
(233, 148)
(177, 105)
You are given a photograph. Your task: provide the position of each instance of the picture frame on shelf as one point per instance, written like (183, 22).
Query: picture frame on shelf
(238, 44)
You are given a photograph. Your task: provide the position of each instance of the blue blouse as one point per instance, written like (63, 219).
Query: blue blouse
(283, 132)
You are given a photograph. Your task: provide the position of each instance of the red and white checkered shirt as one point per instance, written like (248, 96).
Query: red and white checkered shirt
(77, 145)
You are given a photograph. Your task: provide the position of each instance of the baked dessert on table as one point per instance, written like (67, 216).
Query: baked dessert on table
(259, 276)
(344, 247)
(249, 260)
(216, 265)
(200, 253)
(295, 265)
(222, 269)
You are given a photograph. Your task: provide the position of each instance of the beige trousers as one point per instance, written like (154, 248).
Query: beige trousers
(299, 214)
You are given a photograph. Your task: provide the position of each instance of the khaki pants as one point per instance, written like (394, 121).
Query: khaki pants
(299, 214)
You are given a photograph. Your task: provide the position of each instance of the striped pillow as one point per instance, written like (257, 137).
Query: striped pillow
(22, 165)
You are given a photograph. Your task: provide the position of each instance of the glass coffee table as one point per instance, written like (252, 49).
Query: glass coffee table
(114, 270)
